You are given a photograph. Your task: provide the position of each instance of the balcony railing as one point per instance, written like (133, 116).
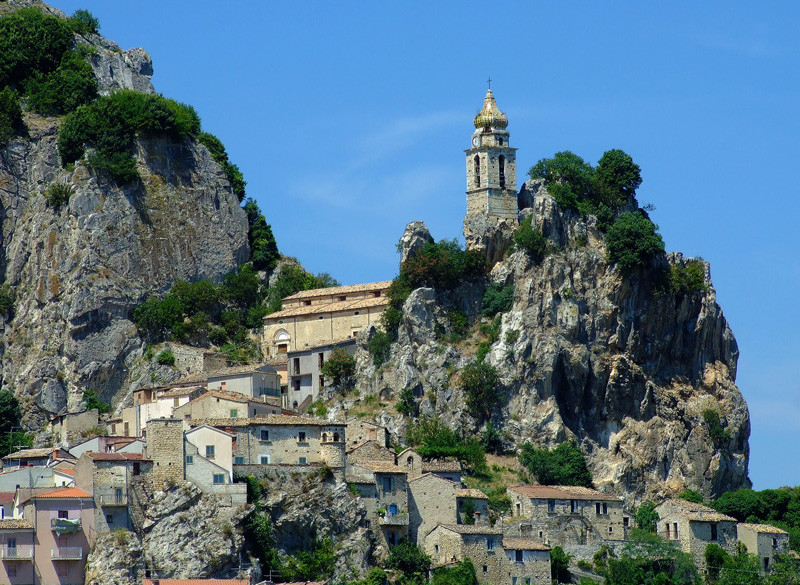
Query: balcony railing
(67, 553)
(65, 524)
(113, 499)
(16, 553)
(394, 520)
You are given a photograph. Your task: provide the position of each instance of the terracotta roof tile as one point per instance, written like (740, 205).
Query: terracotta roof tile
(562, 492)
(247, 369)
(334, 343)
(523, 544)
(470, 529)
(269, 420)
(332, 307)
(116, 456)
(471, 493)
(339, 290)
(198, 581)
(381, 467)
(15, 524)
(33, 453)
(6, 497)
(693, 511)
(441, 466)
(64, 493)
(762, 528)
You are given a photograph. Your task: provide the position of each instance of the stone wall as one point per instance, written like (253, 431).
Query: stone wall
(370, 451)
(359, 430)
(431, 501)
(165, 448)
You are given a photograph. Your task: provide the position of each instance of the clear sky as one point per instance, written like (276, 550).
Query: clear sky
(349, 120)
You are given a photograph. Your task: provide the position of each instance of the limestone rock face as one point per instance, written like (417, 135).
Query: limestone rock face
(492, 238)
(78, 271)
(414, 239)
(587, 354)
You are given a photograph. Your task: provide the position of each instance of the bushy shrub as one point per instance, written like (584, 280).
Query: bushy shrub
(408, 558)
(217, 150)
(83, 22)
(559, 565)
(497, 299)
(380, 345)
(480, 383)
(432, 439)
(407, 404)
(442, 265)
(687, 279)
(646, 517)
(463, 573)
(616, 178)
(10, 114)
(263, 248)
(531, 239)
(93, 401)
(71, 85)
(718, 434)
(564, 465)
(166, 358)
(339, 366)
(111, 123)
(568, 178)
(57, 194)
(293, 279)
(632, 242)
(691, 496)
(318, 408)
(6, 301)
(459, 323)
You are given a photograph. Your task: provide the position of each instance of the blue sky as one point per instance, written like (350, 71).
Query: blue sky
(349, 120)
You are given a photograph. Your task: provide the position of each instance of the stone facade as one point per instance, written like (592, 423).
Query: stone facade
(410, 460)
(370, 451)
(480, 504)
(281, 440)
(149, 404)
(560, 515)
(328, 315)
(196, 360)
(359, 430)
(66, 428)
(764, 541)
(224, 404)
(259, 382)
(165, 449)
(305, 381)
(384, 492)
(431, 501)
(448, 543)
(694, 527)
(527, 562)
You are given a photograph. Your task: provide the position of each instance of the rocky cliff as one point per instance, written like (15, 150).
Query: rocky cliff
(586, 353)
(78, 271)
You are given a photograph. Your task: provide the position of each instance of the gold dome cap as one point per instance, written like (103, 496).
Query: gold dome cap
(490, 116)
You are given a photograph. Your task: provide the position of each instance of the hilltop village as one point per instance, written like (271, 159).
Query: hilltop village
(218, 425)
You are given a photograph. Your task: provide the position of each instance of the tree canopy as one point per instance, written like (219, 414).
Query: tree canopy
(564, 465)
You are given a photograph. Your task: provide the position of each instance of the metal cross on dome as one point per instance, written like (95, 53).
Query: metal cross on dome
(489, 81)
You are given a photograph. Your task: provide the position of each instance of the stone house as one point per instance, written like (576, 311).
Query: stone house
(63, 525)
(527, 562)
(44, 457)
(261, 382)
(165, 448)
(17, 545)
(562, 515)
(448, 543)
(150, 404)
(107, 444)
(315, 317)
(360, 430)
(284, 440)
(208, 463)
(431, 501)
(108, 477)
(480, 506)
(370, 451)
(448, 469)
(304, 365)
(694, 527)
(764, 541)
(66, 428)
(224, 404)
(384, 491)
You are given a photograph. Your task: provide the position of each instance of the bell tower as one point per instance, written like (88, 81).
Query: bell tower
(492, 166)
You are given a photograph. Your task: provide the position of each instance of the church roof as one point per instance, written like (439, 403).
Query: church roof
(490, 116)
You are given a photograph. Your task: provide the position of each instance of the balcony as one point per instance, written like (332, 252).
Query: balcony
(394, 520)
(113, 498)
(67, 553)
(65, 525)
(16, 553)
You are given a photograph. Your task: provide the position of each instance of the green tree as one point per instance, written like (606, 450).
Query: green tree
(339, 367)
(462, 574)
(617, 177)
(785, 570)
(84, 23)
(647, 518)
(380, 345)
(559, 565)
(691, 496)
(497, 299)
(432, 439)
(741, 504)
(263, 248)
(715, 557)
(10, 114)
(71, 85)
(10, 413)
(408, 558)
(568, 178)
(468, 512)
(93, 401)
(201, 296)
(242, 287)
(480, 383)
(632, 241)
(166, 358)
(407, 404)
(314, 565)
(531, 240)
(740, 569)
(564, 465)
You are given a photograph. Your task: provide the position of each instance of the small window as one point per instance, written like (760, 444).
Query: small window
(573, 506)
(605, 509)
(357, 313)
(175, 401)
(342, 299)
(63, 569)
(321, 317)
(713, 532)
(597, 509)
(264, 459)
(335, 437)
(189, 459)
(63, 513)
(238, 460)
(437, 548)
(625, 521)
(301, 437)
(210, 451)
(610, 529)
(302, 460)
(500, 140)
(264, 435)
(485, 568)
(490, 544)
(377, 294)
(551, 506)
(219, 478)
(307, 303)
(109, 518)
(235, 413)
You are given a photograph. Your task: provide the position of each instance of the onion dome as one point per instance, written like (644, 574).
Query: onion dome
(490, 116)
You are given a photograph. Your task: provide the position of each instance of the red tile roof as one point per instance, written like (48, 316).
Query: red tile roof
(65, 493)
(197, 582)
(562, 492)
(116, 456)
(6, 497)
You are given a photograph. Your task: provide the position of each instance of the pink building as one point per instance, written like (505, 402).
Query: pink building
(57, 524)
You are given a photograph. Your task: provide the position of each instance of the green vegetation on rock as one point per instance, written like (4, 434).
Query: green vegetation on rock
(235, 176)
(339, 367)
(531, 239)
(480, 382)
(433, 440)
(263, 249)
(632, 242)
(564, 465)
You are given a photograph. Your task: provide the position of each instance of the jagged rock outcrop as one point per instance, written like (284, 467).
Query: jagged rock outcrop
(184, 535)
(492, 238)
(78, 271)
(414, 239)
(586, 353)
